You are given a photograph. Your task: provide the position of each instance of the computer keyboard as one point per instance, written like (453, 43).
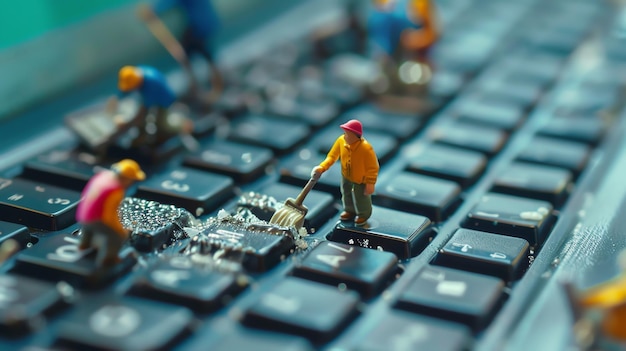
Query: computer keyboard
(503, 180)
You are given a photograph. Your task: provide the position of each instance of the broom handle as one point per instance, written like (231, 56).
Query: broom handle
(307, 188)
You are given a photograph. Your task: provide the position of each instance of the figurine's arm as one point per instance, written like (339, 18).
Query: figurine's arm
(332, 156)
(371, 171)
(110, 216)
(427, 32)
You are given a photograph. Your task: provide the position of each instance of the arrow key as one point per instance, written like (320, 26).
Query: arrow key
(498, 255)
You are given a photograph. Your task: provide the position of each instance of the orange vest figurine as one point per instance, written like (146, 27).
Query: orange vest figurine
(97, 211)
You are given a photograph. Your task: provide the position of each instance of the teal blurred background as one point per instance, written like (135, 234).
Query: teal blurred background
(52, 48)
(23, 20)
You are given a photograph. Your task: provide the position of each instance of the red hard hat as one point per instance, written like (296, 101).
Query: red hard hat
(354, 126)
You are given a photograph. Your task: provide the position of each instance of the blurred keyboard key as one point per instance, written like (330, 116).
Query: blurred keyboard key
(124, 323)
(25, 302)
(490, 112)
(279, 135)
(64, 168)
(314, 112)
(243, 163)
(581, 129)
(401, 233)
(297, 171)
(37, 205)
(416, 193)
(498, 255)
(556, 152)
(14, 231)
(296, 306)
(447, 162)
(463, 297)
(399, 330)
(247, 339)
(194, 190)
(177, 280)
(536, 181)
(59, 259)
(363, 270)
(511, 215)
(469, 136)
(400, 125)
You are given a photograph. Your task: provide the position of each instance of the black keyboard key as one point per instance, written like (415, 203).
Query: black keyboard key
(279, 135)
(363, 270)
(257, 249)
(556, 152)
(404, 234)
(320, 204)
(400, 125)
(510, 215)
(177, 280)
(194, 190)
(153, 226)
(14, 231)
(469, 136)
(58, 258)
(246, 339)
(399, 330)
(64, 168)
(124, 323)
(536, 181)
(511, 90)
(490, 112)
(37, 205)
(243, 163)
(416, 193)
(24, 302)
(316, 112)
(582, 129)
(297, 306)
(447, 162)
(464, 297)
(498, 255)
(297, 170)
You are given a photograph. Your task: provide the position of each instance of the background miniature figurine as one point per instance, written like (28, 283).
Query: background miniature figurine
(601, 312)
(359, 170)
(401, 34)
(202, 22)
(97, 211)
(156, 95)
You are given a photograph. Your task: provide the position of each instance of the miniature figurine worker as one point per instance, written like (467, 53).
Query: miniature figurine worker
(150, 84)
(359, 170)
(155, 94)
(610, 297)
(202, 22)
(386, 24)
(97, 211)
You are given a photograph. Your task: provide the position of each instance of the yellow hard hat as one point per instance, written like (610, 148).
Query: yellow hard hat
(128, 168)
(130, 77)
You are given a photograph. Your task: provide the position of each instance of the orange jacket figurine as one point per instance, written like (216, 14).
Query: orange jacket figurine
(359, 170)
(97, 210)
